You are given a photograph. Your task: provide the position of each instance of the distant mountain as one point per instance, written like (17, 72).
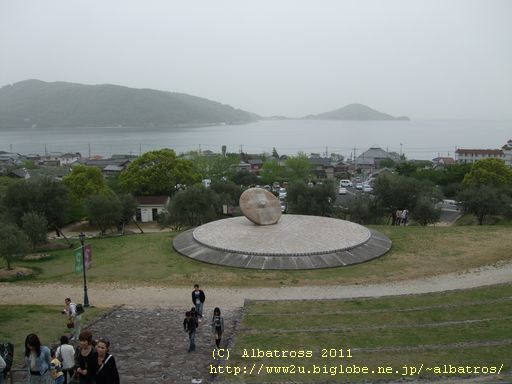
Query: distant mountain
(354, 112)
(34, 103)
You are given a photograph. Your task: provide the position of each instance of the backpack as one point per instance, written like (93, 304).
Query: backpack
(79, 309)
(7, 353)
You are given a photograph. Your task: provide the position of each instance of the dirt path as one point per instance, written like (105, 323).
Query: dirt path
(149, 297)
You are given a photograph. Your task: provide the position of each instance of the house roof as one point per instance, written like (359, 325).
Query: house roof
(113, 168)
(323, 161)
(444, 160)
(152, 200)
(376, 153)
(20, 173)
(496, 152)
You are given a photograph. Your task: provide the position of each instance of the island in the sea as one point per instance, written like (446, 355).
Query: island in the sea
(354, 112)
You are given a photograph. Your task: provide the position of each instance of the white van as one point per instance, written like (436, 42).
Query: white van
(345, 183)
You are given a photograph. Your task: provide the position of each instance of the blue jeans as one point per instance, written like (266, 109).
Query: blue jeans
(192, 339)
(199, 309)
(59, 380)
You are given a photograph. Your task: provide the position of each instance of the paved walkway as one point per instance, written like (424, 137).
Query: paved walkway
(147, 334)
(150, 345)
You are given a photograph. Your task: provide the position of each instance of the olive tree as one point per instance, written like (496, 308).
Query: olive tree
(13, 243)
(35, 227)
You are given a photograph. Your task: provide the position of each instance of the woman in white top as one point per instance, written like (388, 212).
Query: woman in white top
(2, 367)
(66, 353)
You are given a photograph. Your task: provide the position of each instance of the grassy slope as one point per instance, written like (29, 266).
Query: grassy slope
(470, 327)
(150, 259)
(17, 321)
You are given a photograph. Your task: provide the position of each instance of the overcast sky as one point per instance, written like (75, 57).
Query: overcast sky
(427, 59)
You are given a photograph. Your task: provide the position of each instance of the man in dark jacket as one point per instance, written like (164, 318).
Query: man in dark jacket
(189, 325)
(198, 299)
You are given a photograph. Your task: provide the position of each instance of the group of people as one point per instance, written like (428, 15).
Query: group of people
(401, 217)
(195, 316)
(90, 362)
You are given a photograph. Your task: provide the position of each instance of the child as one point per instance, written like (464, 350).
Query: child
(56, 369)
(189, 325)
(217, 326)
(195, 316)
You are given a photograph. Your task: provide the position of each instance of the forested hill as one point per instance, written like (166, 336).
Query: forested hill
(354, 112)
(37, 103)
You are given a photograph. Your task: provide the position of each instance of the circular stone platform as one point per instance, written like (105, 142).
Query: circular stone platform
(295, 242)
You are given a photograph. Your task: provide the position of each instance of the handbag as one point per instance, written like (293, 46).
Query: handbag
(70, 324)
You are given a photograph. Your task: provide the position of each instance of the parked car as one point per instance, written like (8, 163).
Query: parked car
(367, 188)
(345, 183)
(359, 186)
(282, 192)
(342, 191)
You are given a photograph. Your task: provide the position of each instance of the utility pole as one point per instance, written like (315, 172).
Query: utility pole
(355, 160)
(89, 144)
(401, 150)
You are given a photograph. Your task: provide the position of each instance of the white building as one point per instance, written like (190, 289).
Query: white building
(507, 152)
(149, 207)
(472, 155)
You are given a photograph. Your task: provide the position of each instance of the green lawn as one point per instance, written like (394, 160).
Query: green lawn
(461, 328)
(17, 321)
(149, 259)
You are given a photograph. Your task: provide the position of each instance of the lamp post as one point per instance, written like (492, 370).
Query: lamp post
(81, 236)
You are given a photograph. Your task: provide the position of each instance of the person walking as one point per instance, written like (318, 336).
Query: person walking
(66, 353)
(198, 298)
(38, 360)
(405, 216)
(73, 317)
(3, 365)
(56, 369)
(107, 372)
(86, 359)
(398, 217)
(190, 326)
(217, 326)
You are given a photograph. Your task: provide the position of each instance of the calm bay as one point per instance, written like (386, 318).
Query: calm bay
(417, 139)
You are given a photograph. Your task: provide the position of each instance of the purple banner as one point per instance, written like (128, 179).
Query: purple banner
(88, 256)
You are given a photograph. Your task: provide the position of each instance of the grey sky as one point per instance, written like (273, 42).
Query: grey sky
(430, 59)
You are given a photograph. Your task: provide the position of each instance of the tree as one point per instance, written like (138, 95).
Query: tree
(128, 209)
(315, 200)
(362, 209)
(481, 201)
(393, 192)
(275, 155)
(85, 181)
(46, 197)
(194, 206)
(158, 173)
(227, 191)
(35, 227)
(425, 211)
(104, 211)
(272, 171)
(489, 172)
(245, 178)
(215, 166)
(298, 167)
(13, 243)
